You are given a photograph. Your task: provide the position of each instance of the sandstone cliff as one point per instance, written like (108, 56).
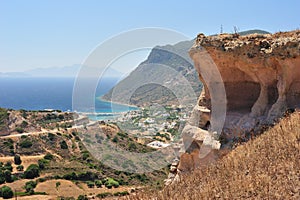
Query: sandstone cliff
(249, 82)
(260, 73)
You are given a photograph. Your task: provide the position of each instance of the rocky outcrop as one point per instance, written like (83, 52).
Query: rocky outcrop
(260, 73)
(255, 77)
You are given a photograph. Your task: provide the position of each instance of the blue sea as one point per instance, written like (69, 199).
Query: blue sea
(54, 93)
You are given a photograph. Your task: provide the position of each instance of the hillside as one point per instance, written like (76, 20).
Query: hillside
(55, 143)
(267, 167)
(175, 57)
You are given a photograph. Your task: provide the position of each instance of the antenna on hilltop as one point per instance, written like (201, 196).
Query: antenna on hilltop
(236, 30)
(221, 31)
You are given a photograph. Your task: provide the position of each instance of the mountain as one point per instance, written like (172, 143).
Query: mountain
(66, 71)
(176, 58)
(153, 81)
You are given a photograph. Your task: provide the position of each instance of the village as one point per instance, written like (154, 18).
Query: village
(156, 126)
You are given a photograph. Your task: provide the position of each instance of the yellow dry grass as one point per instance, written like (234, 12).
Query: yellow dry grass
(267, 167)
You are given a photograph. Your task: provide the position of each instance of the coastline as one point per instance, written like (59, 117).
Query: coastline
(115, 102)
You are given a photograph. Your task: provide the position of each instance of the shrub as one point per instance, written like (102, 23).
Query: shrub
(110, 182)
(85, 156)
(2, 179)
(26, 143)
(24, 124)
(63, 145)
(32, 171)
(7, 176)
(71, 176)
(20, 167)
(6, 192)
(57, 184)
(82, 197)
(131, 146)
(104, 194)
(48, 156)
(29, 186)
(115, 139)
(17, 159)
(98, 183)
(51, 136)
(8, 166)
(124, 193)
(87, 176)
(19, 130)
(90, 184)
(42, 163)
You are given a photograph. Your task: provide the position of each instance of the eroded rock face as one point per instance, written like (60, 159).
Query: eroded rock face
(261, 76)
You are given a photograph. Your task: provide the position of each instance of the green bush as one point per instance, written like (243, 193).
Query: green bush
(8, 166)
(110, 182)
(20, 167)
(90, 184)
(98, 183)
(51, 136)
(24, 124)
(85, 156)
(70, 176)
(131, 146)
(115, 139)
(17, 159)
(2, 179)
(104, 194)
(6, 192)
(82, 197)
(42, 163)
(32, 171)
(48, 156)
(26, 143)
(7, 176)
(29, 186)
(57, 184)
(63, 145)
(124, 193)
(19, 130)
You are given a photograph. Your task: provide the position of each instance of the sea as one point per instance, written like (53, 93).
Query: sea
(33, 93)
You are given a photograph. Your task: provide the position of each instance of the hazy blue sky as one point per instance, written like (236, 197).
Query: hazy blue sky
(59, 33)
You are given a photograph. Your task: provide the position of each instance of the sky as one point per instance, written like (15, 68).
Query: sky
(38, 34)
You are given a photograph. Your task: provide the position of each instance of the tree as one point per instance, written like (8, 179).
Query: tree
(29, 186)
(7, 176)
(6, 192)
(32, 171)
(2, 179)
(17, 159)
(8, 166)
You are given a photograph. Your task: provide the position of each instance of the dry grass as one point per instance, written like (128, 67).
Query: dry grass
(267, 167)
